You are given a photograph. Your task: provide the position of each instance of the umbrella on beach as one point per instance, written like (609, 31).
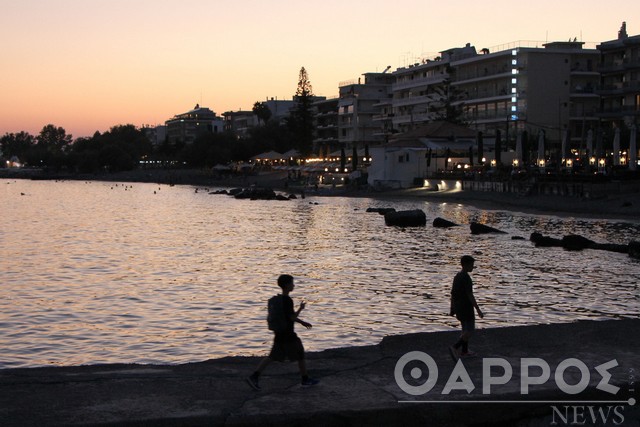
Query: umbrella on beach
(633, 149)
(498, 146)
(519, 147)
(540, 146)
(354, 157)
(599, 144)
(616, 147)
(343, 160)
(565, 143)
(526, 155)
(480, 148)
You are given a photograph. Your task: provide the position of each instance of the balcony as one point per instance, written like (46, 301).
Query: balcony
(619, 89)
(425, 81)
(631, 63)
(412, 118)
(413, 100)
(611, 67)
(619, 112)
(472, 78)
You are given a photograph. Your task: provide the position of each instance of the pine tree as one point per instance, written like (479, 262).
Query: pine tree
(301, 118)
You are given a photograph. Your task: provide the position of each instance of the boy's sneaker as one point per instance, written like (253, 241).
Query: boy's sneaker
(308, 382)
(253, 382)
(454, 353)
(468, 354)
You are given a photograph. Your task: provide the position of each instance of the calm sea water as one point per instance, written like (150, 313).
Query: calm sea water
(96, 272)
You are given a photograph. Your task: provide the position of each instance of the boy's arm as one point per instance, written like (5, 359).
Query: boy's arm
(295, 317)
(303, 323)
(475, 304)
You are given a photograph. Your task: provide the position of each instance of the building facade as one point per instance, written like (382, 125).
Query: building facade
(551, 87)
(186, 127)
(326, 127)
(240, 122)
(620, 80)
(359, 109)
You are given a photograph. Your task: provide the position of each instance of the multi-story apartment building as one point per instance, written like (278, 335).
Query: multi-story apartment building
(531, 88)
(620, 85)
(550, 88)
(326, 127)
(359, 107)
(280, 108)
(187, 126)
(420, 90)
(239, 122)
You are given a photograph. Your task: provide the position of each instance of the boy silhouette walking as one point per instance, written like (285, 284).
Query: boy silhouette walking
(462, 305)
(286, 343)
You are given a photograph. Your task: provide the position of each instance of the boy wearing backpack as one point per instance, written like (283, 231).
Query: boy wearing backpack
(286, 344)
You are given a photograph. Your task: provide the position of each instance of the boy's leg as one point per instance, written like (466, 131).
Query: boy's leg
(263, 364)
(253, 378)
(302, 365)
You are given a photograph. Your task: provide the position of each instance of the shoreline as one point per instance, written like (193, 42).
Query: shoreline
(622, 205)
(358, 385)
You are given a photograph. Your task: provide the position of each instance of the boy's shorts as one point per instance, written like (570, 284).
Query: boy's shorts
(468, 325)
(291, 349)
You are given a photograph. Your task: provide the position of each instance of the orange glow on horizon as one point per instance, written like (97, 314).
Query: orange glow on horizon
(88, 66)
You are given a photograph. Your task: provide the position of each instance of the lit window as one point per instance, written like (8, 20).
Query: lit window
(513, 90)
(514, 108)
(514, 52)
(514, 62)
(514, 71)
(514, 81)
(514, 99)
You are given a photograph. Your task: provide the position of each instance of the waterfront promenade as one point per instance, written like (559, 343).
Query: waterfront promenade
(357, 388)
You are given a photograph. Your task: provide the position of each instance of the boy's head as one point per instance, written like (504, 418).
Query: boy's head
(467, 262)
(285, 281)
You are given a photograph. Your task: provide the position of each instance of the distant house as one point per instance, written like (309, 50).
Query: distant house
(187, 126)
(419, 153)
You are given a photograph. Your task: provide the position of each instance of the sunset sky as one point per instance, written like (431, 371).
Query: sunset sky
(87, 65)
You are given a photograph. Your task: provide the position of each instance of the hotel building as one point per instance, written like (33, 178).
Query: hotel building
(187, 126)
(620, 85)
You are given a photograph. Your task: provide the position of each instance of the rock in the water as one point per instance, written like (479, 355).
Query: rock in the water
(544, 241)
(477, 228)
(381, 211)
(634, 249)
(412, 218)
(611, 247)
(573, 242)
(443, 223)
(256, 193)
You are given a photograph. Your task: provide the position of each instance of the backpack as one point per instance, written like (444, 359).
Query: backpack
(276, 319)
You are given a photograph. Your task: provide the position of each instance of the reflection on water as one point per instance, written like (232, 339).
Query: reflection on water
(101, 273)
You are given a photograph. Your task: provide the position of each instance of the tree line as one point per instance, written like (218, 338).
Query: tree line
(124, 146)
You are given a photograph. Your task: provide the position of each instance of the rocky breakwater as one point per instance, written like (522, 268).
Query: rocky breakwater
(574, 242)
(417, 218)
(256, 193)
